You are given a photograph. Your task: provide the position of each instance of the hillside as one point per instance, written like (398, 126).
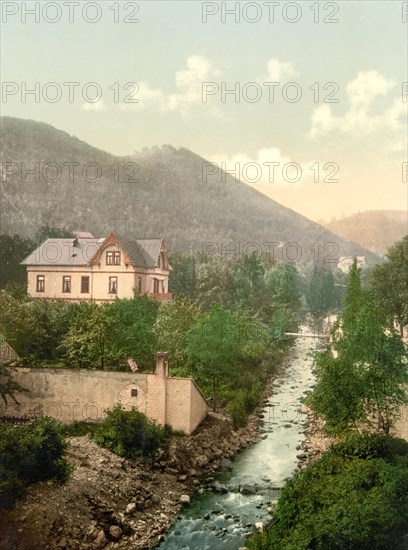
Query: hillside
(169, 196)
(376, 230)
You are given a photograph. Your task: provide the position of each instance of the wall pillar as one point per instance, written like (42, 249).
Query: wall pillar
(157, 390)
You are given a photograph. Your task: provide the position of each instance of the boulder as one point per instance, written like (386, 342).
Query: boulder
(130, 508)
(249, 488)
(100, 540)
(184, 500)
(217, 487)
(115, 532)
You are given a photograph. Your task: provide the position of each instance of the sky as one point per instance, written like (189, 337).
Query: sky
(303, 100)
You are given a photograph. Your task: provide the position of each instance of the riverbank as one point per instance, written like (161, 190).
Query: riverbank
(316, 440)
(114, 503)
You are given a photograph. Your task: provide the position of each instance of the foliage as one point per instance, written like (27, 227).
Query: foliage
(8, 387)
(173, 322)
(130, 433)
(367, 372)
(320, 292)
(132, 329)
(13, 250)
(30, 454)
(214, 283)
(89, 342)
(225, 347)
(389, 283)
(79, 428)
(354, 497)
(182, 278)
(34, 328)
(242, 404)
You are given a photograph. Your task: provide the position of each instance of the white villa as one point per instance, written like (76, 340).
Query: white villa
(86, 268)
(345, 263)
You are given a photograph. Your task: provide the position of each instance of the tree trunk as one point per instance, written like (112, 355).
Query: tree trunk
(214, 391)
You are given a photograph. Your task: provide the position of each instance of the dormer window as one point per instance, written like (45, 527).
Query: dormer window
(113, 257)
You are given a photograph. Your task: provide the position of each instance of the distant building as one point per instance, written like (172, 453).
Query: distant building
(345, 262)
(86, 268)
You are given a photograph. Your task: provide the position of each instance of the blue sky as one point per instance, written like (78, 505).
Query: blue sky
(170, 52)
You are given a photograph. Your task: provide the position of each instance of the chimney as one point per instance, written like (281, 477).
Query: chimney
(162, 364)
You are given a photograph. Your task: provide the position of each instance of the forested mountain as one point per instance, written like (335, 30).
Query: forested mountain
(157, 192)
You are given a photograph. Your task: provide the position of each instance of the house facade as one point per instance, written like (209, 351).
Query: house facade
(345, 263)
(86, 268)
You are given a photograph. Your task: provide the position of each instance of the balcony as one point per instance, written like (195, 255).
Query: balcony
(161, 296)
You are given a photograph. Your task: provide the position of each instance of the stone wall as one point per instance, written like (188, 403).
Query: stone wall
(75, 395)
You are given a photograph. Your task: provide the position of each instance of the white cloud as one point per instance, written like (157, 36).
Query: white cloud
(279, 71)
(97, 106)
(189, 82)
(145, 97)
(359, 119)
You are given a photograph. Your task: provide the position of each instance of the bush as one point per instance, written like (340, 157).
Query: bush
(78, 429)
(243, 404)
(344, 501)
(130, 433)
(368, 446)
(30, 454)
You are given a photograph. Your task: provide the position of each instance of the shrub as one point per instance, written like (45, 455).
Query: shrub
(243, 404)
(130, 433)
(344, 501)
(30, 454)
(78, 429)
(367, 446)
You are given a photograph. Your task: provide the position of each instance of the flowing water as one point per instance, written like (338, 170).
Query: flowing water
(223, 521)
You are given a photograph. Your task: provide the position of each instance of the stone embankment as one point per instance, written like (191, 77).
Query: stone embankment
(316, 441)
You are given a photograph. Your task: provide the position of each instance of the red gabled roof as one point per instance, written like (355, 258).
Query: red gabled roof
(110, 239)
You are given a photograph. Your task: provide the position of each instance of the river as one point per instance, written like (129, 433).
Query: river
(223, 521)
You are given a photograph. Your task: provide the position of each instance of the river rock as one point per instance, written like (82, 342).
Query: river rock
(130, 508)
(217, 487)
(201, 461)
(184, 500)
(115, 532)
(249, 488)
(226, 465)
(100, 540)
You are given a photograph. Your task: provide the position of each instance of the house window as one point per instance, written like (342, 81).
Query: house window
(113, 258)
(85, 285)
(158, 261)
(66, 283)
(133, 392)
(156, 286)
(139, 284)
(113, 285)
(40, 283)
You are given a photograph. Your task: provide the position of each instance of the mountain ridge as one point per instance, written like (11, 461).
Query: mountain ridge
(157, 191)
(376, 230)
